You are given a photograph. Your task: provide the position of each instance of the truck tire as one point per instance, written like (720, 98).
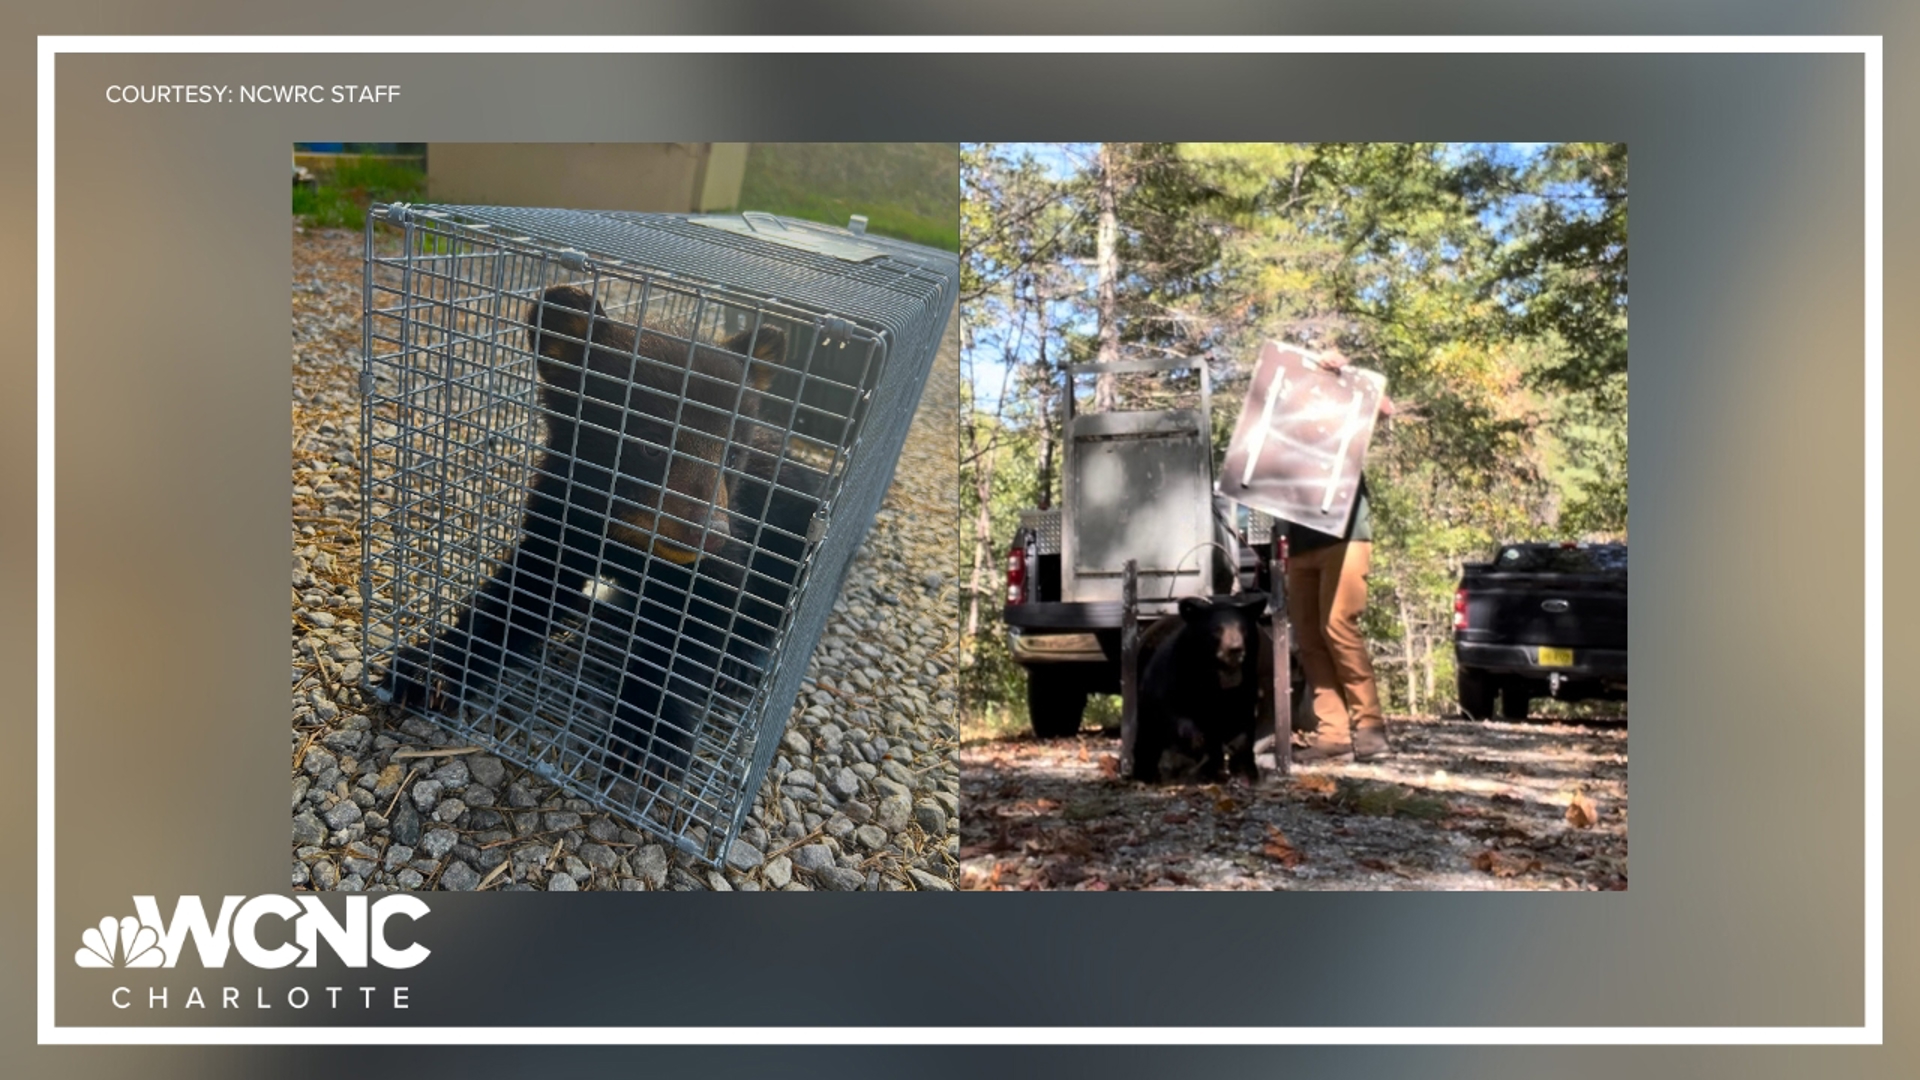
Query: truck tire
(1517, 695)
(1056, 700)
(1476, 694)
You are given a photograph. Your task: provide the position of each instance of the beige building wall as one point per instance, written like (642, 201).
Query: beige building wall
(665, 177)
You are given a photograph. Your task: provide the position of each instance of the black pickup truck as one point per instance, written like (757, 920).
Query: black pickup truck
(1541, 620)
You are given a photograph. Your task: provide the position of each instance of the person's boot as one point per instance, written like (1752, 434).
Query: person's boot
(1328, 740)
(1370, 741)
(1310, 749)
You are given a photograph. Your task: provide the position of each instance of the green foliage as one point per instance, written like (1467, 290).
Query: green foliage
(341, 199)
(906, 190)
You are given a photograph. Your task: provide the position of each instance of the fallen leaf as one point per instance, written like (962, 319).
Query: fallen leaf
(1505, 864)
(1225, 805)
(1581, 813)
(1110, 764)
(1315, 783)
(1280, 849)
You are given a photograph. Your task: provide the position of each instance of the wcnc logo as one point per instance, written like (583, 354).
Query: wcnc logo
(152, 942)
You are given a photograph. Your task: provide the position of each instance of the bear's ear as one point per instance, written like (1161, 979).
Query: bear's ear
(1250, 601)
(1195, 609)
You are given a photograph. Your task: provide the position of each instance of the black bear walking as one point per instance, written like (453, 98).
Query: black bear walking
(1200, 686)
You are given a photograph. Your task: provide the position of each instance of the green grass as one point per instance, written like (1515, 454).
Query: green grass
(342, 198)
(909, 191)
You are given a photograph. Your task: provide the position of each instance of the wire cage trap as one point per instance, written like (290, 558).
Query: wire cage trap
(616, 466)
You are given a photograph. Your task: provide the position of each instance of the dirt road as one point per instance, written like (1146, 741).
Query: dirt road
(1460, 804)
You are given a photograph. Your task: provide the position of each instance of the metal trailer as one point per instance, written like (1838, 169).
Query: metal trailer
(1139, 528)
(618, 585)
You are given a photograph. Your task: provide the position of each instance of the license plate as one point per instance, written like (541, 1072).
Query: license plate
(1552, 657)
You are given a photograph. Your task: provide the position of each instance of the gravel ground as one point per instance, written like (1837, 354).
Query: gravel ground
(864, 793)
(1458, 805)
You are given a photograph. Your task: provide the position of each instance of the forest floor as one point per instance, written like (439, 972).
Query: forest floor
(1459, 805)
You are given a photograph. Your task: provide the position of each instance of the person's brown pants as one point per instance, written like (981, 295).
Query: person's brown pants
(1326, 592)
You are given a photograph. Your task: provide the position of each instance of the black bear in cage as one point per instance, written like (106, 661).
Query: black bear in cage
(661, 511)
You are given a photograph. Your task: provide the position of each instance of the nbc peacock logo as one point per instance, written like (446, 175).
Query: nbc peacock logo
(119, 943)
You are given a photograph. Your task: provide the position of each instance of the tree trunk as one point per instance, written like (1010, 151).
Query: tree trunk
(1048, 420)
(1106, 389)
(1406, 651)
(982, 540)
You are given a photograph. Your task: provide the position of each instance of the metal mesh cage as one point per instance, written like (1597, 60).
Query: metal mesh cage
(617, 465)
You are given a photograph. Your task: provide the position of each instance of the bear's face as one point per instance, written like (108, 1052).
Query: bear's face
(1229, 626)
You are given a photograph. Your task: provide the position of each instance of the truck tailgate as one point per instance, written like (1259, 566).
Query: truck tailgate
(1578, 610)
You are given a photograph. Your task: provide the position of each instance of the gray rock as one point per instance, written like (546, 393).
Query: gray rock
(871, 837)
(743, 856)
(449, 811)
(522, 796)
(838, 826)
(929, 882)
(300, 786)
(459, 877)
(426, 793)
(779, 871)
(561, 882)
(409, 879)
(488, 771)
(325, 874)
(930, 817)
(300, 876)
(894, 812)
(813, 857)
(840, 879)
(438, 842)
(398, 855)
(453, 775)
(307, 829)
(562, 820)
(650, 865)
(318, 761)
(344, 813)
(406, 825)
(598, 856)
(846, 784)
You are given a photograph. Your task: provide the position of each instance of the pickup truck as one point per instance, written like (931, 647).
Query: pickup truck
(1541, 620)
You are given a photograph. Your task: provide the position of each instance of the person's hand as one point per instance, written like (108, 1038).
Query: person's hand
(1334, 360)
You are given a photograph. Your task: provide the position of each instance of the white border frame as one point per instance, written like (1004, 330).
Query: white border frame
(1870, 1033)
